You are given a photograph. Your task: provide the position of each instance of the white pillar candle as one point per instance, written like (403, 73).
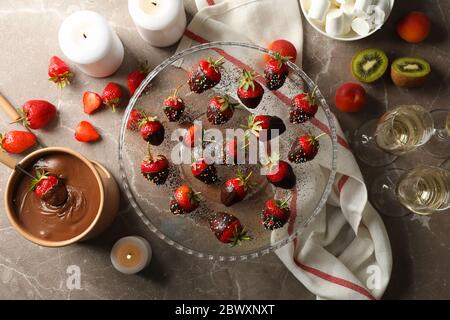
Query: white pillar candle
(159, 22)
(131, 255)
(86, 39)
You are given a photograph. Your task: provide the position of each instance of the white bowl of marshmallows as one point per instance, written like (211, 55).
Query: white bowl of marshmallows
(347, 20)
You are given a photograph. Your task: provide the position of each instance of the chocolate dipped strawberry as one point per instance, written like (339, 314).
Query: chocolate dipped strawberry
(205, 75)
(152, 130)
(155, 169)
(250, 92)
(276, 71)
(184, 200)
(174, 107)
(220, 110)
(206, 173)
(303, 107)
(228, 229)
(49, 189)
(304, 148)
(265, 127)
(275, 214)
(194, 133)
(235, 190)
(280, 173)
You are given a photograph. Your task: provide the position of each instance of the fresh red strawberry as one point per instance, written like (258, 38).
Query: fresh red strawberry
(91, 102)
(303, 107)
(36, 114)
(304, 149)
(86, 132)
(228, 229)
(136, 77)
(49, 189)
(135, 118)
(193, 133)
(275, 214)
(220, 110)
(276, 71)
(234, 190)
(250, 91)
(152, 130)
(256, 125)
(205, 75)
(112, 95)
(204, 172)
(155, 169)
(184, 200)
(174, 107)
(16, 142)
(59, 72)
(280, 173)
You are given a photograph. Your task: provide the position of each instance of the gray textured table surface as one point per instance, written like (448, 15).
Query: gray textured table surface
(29, 37)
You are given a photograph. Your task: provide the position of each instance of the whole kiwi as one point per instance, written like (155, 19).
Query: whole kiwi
(410, 72)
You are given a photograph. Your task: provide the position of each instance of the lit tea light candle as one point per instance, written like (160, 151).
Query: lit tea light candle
(159, 22)
(86, 39)
(131, 255)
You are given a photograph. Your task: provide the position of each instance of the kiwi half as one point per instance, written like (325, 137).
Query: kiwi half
(369, 65)
(410, 72)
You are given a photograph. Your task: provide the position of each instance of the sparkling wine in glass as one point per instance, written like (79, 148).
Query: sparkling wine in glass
(424, 190)
(399, 131)
(404, 129)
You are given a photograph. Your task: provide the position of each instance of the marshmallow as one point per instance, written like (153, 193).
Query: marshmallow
(361, 26)
(319, 9)
(362, 5)
(384, 5)
(348, 8)
(335, 23)
(379, 16)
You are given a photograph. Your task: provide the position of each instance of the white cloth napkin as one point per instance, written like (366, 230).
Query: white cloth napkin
(344, 253)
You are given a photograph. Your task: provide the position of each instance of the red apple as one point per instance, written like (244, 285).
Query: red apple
(283, 47)
(350, 97)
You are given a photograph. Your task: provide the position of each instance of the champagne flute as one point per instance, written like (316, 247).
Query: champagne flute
(439, 144)
(399, 131)
(424, 190)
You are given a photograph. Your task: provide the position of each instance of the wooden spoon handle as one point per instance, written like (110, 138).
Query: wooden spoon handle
(9, 109)
(7, 160)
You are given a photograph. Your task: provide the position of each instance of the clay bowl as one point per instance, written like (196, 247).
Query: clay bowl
(109, 199)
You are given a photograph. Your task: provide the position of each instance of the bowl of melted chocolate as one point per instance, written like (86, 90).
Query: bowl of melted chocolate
(62, 200)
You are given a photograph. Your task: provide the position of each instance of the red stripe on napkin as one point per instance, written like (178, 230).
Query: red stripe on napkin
(335, 280)
(314, 271)
(342, 181)
(320, 125)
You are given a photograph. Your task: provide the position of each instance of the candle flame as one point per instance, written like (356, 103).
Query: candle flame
(129, 256)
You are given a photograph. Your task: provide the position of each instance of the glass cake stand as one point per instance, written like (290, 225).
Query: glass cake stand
(191, 233)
